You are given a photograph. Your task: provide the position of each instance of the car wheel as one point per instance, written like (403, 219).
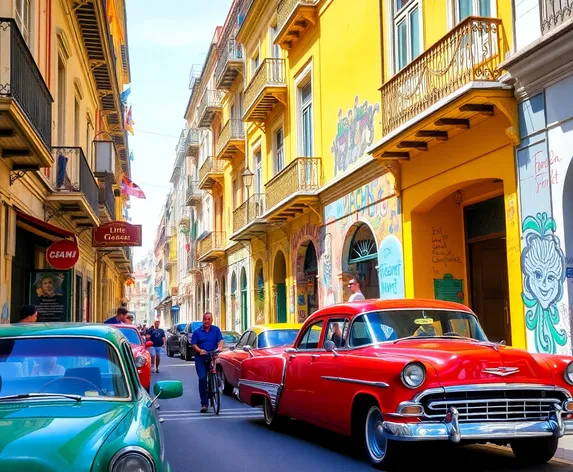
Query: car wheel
(535, 450)
(272, 418)
(188, 355)
(227, 387)
(380, 450)
(170, 353)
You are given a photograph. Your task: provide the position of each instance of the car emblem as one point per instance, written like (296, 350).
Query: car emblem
(501, 371)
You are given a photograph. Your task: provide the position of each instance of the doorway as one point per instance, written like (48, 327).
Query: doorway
(79, 297)
(363, 255)
(489, 288)
(244, 301)
(279, 279)
(311, 276)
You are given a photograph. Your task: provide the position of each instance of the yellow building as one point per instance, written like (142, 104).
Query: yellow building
(62, 70)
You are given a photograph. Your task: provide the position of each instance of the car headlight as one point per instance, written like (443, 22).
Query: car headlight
(132, 459)
(413, 375)
(140, 361)
(569, 374)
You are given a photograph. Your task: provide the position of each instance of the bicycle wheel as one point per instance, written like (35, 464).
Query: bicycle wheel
(216, 394)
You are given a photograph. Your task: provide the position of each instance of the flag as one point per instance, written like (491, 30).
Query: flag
(130, 188)
(113, 21)
(131, 158)
(128, 125)
(125, 94)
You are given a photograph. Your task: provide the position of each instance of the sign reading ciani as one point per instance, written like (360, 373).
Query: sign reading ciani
(116, 234)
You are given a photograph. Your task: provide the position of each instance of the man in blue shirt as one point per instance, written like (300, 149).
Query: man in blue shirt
(119, 318)
(157, 336)
(204, 339)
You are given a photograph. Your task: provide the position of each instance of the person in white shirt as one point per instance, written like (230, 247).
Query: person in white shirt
(48, 366)
(354, 287)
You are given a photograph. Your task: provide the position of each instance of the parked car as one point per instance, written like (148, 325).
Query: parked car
(140, 353)
(185, 350)
(392, 371)
(173, 338)
(230, 338)
(87, 410)
(258, 340)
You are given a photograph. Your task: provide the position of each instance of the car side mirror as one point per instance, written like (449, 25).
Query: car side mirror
(329, 346)
(148, 343)
(167, 389)
(249, 349)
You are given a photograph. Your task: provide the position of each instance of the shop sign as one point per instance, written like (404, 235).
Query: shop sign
(116, 234)
(63, 254)
(51, 295)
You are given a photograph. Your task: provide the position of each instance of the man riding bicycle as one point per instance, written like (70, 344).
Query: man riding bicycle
(205, 339)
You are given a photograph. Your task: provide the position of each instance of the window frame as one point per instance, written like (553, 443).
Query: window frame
(258, 184)
(320, 321)
(337, 319)
(453, 13)
(398, 17)
(275, 51)
(279, 125)
(305, 77)
(26, 6)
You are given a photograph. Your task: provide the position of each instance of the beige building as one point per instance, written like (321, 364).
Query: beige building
(63, 151)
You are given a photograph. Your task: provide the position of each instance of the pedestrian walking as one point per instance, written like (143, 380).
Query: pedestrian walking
(28, 314)
(129, 318)
(157, 336)
(354, 286)
(119, 317)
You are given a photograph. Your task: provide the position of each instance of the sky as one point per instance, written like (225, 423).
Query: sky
(166, 38)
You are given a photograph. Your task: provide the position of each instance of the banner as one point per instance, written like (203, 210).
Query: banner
(50, 292)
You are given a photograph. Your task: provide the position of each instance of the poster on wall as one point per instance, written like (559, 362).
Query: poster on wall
(50, 293)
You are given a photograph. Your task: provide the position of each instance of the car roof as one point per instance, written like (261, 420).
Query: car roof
(103, 331)
(258, 329)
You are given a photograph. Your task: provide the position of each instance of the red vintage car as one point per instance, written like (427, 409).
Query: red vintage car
(139, 348)
(388, 372)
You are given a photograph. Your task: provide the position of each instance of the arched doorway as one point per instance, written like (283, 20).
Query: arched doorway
(244, 300)
(363, 259)
(223, 302)
(234, 301)
(310, 269)
(217, 308)
(259, 292)
(279, 280)
(208, 297)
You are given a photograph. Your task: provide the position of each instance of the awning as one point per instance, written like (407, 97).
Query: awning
(41, 227)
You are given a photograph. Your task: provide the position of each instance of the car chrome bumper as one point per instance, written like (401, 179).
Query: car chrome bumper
(451, 429)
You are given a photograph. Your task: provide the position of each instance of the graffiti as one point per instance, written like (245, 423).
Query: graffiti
(354, 135)
(391, 268)
(441, 254)
(329, 296)
(544, 169)
(543, 266)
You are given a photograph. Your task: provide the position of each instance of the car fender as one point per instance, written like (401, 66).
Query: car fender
(260, 377)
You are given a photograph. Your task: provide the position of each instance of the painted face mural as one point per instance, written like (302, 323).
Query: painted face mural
(543, 266)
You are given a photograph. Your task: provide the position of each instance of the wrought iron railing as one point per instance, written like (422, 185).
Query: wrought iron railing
(193, 191)
(287, 7)
(231, 51)
(554, 13)
(212, 165)
(192, 137)
(233, 130)
(210, 99)
(107, 197)
(21, 80)
(271, 73)
(249, 211)
(214, 241)
(192, 257)
(472, 51)
(304, 174)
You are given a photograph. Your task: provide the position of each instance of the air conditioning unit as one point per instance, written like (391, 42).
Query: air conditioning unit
(105, 159)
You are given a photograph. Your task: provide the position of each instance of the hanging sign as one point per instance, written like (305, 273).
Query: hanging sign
(116, 234)
(63, 254)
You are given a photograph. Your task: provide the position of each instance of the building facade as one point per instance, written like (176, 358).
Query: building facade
(64, 151)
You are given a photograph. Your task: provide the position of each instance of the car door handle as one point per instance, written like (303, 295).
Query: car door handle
(315, 356)
(292, 356)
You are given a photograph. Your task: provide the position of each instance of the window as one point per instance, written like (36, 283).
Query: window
(76, 122)
(258, 172)
(255, 63)
(24, 19)
(252, 340)
(311, 337)
(242, 341)
(61, 102)
(277, 337)
(305, 93)
(360, 334)
(235, 193)
(465, 8)
(279, 150)
(89, 145)
(275, 48)
(407, 35)
(336, 331)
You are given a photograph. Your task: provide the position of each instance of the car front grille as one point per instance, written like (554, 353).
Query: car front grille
(494, 405)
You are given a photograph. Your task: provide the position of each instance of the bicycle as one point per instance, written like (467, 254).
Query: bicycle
(213, 383)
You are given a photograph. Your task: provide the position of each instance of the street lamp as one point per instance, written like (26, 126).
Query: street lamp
(248, 181)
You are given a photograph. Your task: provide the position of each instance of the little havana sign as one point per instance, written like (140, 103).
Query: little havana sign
(116, 234)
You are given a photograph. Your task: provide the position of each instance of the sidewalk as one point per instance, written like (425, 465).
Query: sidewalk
(565, 449)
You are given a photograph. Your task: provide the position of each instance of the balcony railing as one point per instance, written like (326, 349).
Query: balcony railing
(554, 13)
(231, 139)
(211, 168)
(270, 75)
(194, 194)
(230, 64)
(192, 257)
(106, 196)
(21, 80)
(293, 19)
(304, 174)
(470, 52)
(249, 211)
(210, 105)
(192, 142)
(73, 174)
(214, 242)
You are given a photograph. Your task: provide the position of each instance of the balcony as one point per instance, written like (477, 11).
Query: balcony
(194, 195)
(122, 258)
(209, 107)
(248, 221)
(210, 173)
(106, 200)
(450, 87)
(230, 65)
(231, 140)
(74, 188)
(192, 142)
(294, 189)
(25, 105)
(265, 90)
(212, 246)
(184, 216)
(555, 13)
(294, 18)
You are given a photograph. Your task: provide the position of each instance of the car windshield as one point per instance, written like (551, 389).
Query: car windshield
(278, 337)
(230, 338)
(131, 335)
(181, 327)
(71, 366)
(390, 325)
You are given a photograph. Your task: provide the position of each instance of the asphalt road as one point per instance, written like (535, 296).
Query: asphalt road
(237, 440)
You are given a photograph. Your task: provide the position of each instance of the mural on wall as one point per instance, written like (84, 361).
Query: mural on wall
(543, 266)
(260, 298)
(355, 133)
(391, 268)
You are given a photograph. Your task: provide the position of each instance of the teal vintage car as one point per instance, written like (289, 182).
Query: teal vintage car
(71, 400)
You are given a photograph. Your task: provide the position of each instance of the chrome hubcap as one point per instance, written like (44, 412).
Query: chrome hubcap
(375, 439)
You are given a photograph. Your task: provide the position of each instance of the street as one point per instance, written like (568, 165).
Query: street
(238, 440)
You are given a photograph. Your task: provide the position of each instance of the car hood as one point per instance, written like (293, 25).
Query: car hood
(55, 436)
(459, 362)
